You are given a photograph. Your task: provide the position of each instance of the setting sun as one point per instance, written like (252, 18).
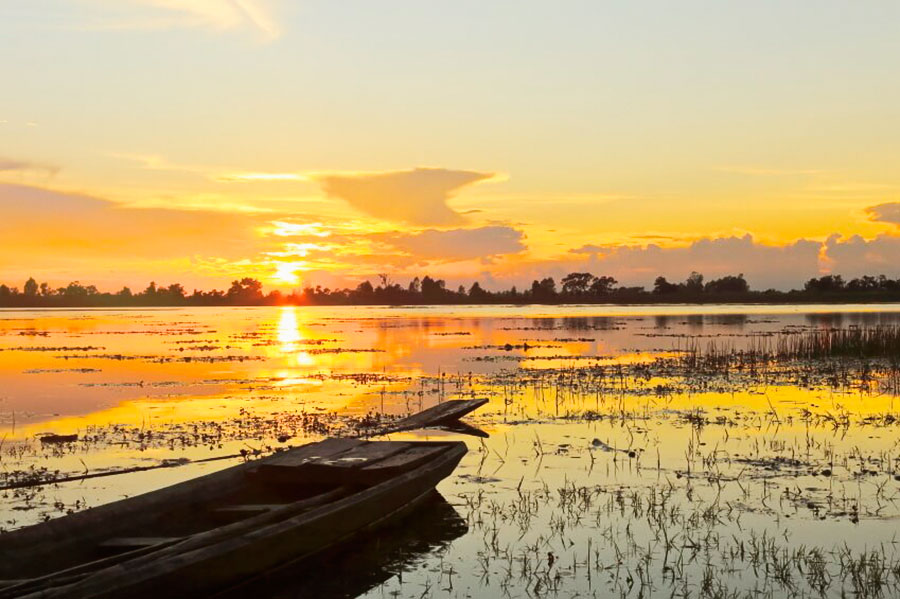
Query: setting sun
(449, 300)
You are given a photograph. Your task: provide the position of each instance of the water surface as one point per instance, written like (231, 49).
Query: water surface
(606, 471)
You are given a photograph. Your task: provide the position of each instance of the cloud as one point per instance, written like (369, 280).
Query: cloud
(50, 232)
(767, 172)
(855, 256)
(418, 196)
(888, 212)
(22, 166)
(763, 265)
(458, 244)
(217, 15)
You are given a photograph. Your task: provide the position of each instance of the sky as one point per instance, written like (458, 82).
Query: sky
(310, 142)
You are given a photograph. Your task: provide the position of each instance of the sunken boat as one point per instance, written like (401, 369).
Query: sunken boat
(211, 533)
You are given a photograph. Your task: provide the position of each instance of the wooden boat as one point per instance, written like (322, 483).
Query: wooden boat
(218, 530)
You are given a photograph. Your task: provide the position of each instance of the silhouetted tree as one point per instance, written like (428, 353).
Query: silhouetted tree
(248, 291)
(602, 285)
(728, 284)
(543, 290)
(576, 284)
(476, 293)
(694, 283)
(433, 290)
(245, 291)
(826, 284)
(662, 287)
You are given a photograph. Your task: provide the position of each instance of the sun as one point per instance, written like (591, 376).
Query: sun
(286, 273)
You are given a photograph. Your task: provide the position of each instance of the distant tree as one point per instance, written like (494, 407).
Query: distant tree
(364, 291)
(175, 292)
(31, 288)
(602, 285)
(576, 283)
(864, 283)
(433, 290)
(415, 286)
(124, 293)
(75, 291)
(694, 283)
(826, 284)
(663, 287)
(543, 290)
(46, 291)
(728, 284)
(477, 293)
(245, 291)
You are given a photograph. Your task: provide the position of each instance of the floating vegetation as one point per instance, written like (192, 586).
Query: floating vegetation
(674, 456)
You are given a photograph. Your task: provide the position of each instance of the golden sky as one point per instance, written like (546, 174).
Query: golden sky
(325, 142)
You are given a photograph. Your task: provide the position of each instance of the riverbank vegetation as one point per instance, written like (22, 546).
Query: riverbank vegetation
(574, 288)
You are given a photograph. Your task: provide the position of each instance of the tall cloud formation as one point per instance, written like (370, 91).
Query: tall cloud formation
(417, 197)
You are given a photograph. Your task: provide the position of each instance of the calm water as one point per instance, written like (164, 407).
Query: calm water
(604, 473)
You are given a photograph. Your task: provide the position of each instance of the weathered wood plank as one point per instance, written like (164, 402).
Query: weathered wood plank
(446, 412)
(136, 542)
(317, 451)
(343, 468)
(391, 466)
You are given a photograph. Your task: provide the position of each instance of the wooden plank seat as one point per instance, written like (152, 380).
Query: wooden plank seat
(338, 468)
(364, 464)
(396, 464)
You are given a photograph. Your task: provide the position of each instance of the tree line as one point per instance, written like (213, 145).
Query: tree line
(576, 287)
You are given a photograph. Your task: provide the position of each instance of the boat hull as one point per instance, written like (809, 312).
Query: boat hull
(193, 568)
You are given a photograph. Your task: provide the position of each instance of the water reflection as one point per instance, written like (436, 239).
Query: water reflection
(73, 364)
(288, 329)
(290, 336)
(366, 563)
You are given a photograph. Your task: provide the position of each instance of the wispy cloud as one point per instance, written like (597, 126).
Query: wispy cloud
(12, 165)
(768, 172)
(257, 177)
(217, 15)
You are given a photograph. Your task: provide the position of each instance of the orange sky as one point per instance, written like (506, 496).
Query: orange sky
(321, 142)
